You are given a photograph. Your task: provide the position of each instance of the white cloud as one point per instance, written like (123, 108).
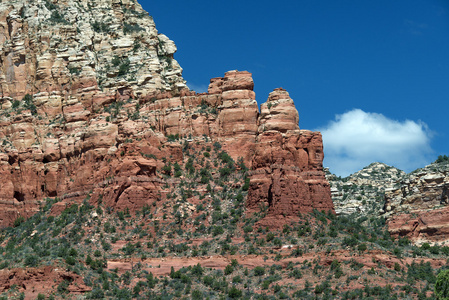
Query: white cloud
(357, 138)
(202, 88)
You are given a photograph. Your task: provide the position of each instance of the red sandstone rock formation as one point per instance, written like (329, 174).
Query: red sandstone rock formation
(113, 154)
(34, 281)
(421, 226)
(287, 175)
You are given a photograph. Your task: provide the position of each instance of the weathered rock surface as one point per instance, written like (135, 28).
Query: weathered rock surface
(418, 206)
(96, 51)
(93, 105)
(287, 176)
(415, 205)
(362, 193)
(35, 281)
(278, 113)
(115, 154)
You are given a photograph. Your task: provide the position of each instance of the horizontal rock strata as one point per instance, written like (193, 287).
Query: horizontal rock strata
(116, 153)
(93, 104)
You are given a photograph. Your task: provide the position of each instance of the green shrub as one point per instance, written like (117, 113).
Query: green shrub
(63, 286)
(70, 260)
(96, 293)
(15, 104)
(323, 287)
(397, 252)
(421, 271)
(28, 100)
(259, 271)
(248, 229)
(442, 158)
(50, 5)
(445, 250)
(115, 61)
(208, 280)
(217, 230)
(362, 247)
(197, 270)
(245, 186)
(425, 246)
(350, 241)
(100, 27)
(129, 28)
(228, 270)
(434, 249)
(237, 279)
(31, 261)
(40, 296)
(270, 236)
(296, 273)
(56, 17)
(277, 242)
(166, 169)
(189, 166)
(18, 221)
(197, 295)
(136, 46)
(124, 67)
(442, 285)
(234, 293)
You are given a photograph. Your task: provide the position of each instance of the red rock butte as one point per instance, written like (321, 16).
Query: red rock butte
(96, 154)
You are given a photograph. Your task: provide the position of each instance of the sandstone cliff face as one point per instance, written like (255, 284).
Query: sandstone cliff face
(93, 105)
(95, 51)
(417, 206)
(116, 154)
(287, 176)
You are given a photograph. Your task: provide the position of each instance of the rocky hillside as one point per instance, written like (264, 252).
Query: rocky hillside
(418, 206)
(414, 205)
(362, 193)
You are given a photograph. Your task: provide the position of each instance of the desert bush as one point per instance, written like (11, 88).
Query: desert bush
(259, 271)
(442, 285)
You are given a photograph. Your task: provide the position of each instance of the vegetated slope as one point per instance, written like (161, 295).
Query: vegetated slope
(200, 241)
(217, 251)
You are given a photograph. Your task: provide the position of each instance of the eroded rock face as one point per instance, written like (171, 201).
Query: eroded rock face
(287, 177)
(278, 113)
(92, 106)
(94, 50)
(418, 206)
(116, 154)
(421, 226)
(40, 280)
(362, 194)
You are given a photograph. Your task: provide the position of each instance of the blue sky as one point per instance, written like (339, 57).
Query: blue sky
(373, 76)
